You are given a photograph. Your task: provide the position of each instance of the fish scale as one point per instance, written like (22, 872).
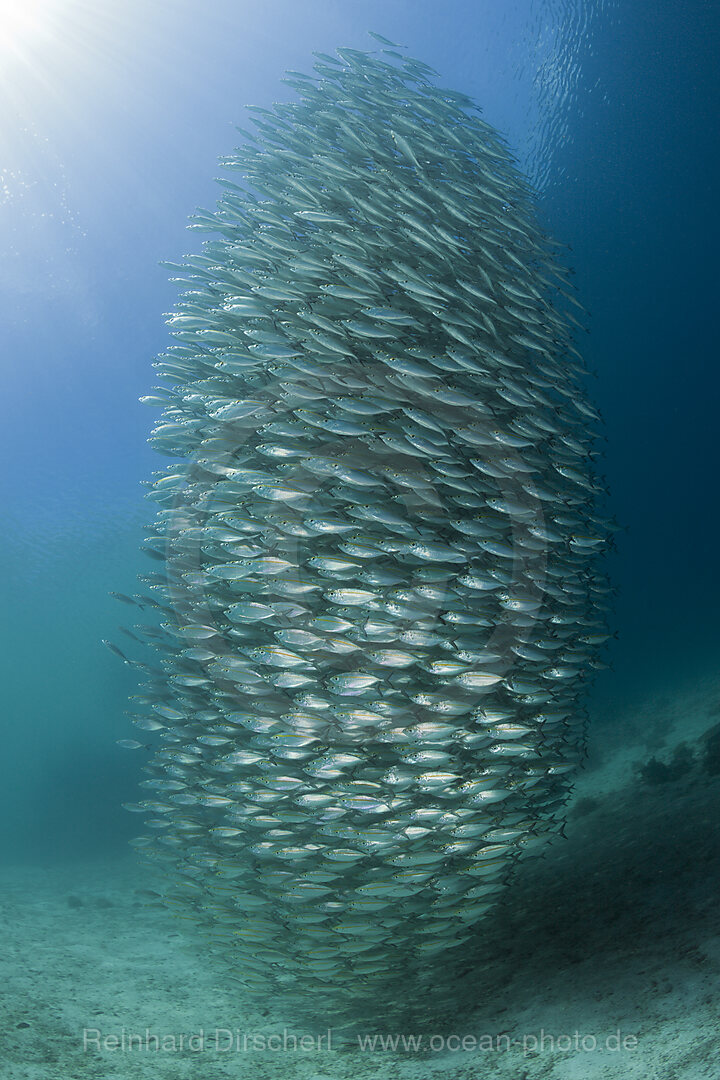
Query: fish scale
(364, 691)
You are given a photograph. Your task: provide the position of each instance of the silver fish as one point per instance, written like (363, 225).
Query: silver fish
(381, 600)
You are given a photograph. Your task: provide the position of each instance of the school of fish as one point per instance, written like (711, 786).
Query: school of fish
(378, 599)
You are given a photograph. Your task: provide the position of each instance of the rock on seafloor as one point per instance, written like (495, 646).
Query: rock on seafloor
(376, 593)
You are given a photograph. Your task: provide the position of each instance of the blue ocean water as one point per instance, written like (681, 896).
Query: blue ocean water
(113, 120)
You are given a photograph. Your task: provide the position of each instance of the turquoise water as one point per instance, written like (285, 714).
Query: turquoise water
(114, 121)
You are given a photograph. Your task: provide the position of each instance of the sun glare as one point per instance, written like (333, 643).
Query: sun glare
(22, 21)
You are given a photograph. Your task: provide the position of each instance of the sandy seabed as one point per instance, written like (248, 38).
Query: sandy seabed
(603, 963)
